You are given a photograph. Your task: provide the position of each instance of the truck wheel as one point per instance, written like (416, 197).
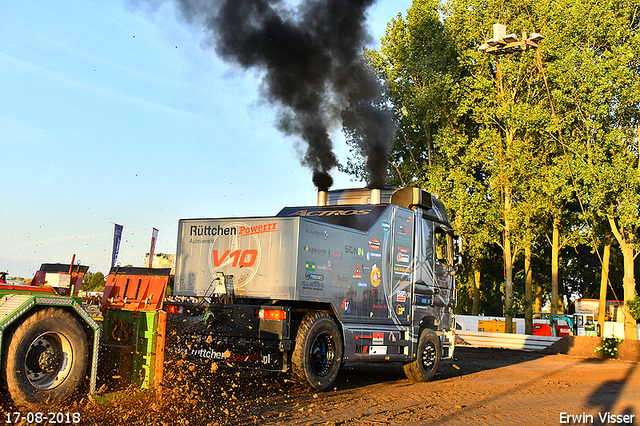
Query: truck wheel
(317, 354)
(46, 358)
(427, 361)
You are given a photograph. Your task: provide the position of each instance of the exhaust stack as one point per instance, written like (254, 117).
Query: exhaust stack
(375, 196)
(322, 198)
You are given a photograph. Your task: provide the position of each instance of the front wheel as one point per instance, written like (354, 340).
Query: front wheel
(317, 354)
(427, 361)
(46, 358)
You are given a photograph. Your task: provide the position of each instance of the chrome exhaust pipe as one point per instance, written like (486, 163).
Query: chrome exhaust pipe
(322, 198)
(375, 196)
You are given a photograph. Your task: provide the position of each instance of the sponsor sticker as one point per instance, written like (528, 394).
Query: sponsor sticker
(226, 356)
(375, 276)
(356, 272)
(309, 276)
(374, 244)
(357, 251)
(319, 234)
(315, 250)
(401, 296)
(326, 267)
(340, 278)
(207, 230)
(361, 284)
(312, 287)
(362, 336)
(402, 258)
(404, 230)
(377, 350)
(258, 229)
(378, 339)
(371, 255)
(401, 269)
(244, 259)
(400, 309)
(310, 266)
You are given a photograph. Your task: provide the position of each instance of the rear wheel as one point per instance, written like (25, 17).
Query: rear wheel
(46, 358)
(427, 361)
(317, 354)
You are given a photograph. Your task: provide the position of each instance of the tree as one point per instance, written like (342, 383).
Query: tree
(415, 61)
(597, 88)
(93, 281)
(535, 153)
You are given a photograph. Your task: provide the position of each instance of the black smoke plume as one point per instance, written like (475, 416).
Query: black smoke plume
(309, 56)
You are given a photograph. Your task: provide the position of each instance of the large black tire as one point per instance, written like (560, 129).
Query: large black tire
(46, 358)
(427, 361)
(317, 354)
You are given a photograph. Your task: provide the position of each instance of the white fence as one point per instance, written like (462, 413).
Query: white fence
(467, 331)
(505, 340)
(470, 322)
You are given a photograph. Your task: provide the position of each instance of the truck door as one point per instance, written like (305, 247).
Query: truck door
(433, 284)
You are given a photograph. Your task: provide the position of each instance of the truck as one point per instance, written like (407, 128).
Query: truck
(366, 275)
(51, 348)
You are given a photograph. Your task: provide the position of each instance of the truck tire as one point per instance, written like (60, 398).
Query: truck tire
(317, 355)
(46, 358)
(427, 361)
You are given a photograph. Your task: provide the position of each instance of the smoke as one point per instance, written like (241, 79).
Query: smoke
(309, 57)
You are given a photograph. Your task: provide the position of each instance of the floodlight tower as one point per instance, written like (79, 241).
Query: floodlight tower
(508, 44)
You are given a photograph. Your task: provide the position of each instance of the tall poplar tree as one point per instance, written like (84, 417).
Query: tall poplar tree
(597, 87)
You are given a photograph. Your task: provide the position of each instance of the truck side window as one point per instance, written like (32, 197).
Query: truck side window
(427, 244)
(444, 247)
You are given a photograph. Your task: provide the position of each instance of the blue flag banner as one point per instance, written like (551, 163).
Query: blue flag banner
(117, 236)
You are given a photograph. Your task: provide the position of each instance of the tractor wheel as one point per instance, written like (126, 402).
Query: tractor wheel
(46, 358)
(317, 355)
(427, 361)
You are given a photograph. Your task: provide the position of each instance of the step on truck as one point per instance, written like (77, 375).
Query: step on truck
(364, 276)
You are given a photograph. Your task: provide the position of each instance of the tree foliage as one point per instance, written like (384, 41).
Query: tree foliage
(93, 281)
(538, 149)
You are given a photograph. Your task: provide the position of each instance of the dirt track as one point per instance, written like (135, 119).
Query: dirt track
(481, 386)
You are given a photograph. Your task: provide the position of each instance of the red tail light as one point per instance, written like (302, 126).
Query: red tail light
(271, 314)
(174, 309)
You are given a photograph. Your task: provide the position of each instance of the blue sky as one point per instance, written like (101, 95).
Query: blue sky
(113, 113)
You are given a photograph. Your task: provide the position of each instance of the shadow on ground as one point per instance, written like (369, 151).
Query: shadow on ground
(466, 360)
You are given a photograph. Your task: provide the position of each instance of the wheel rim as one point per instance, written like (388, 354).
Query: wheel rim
(429, 356)
(322, 354)
(48, 361)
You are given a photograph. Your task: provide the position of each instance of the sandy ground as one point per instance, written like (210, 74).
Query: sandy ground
(480, 386)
